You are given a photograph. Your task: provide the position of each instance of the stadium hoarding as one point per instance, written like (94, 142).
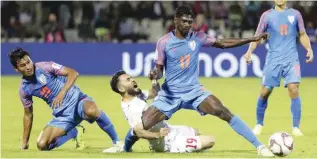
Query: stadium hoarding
(138, 59)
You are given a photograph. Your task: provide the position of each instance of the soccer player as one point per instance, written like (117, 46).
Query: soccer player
(162, 137)
(282, 24)
(177, 53)
(54, 84)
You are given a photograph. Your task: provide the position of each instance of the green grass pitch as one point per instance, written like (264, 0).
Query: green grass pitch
(239, 95)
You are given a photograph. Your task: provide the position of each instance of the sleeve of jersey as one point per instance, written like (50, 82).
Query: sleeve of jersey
(262, 24)
(25, 99)
(205, 39)
(160, 51)
(51, 67)
(300, 22)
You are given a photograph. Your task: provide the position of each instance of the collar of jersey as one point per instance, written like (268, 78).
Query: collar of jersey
(176, 38)
(286, 8)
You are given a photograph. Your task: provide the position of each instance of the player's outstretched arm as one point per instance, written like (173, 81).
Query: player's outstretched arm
(235, 42)
(27, 124)
(71, 75)
(140, 132)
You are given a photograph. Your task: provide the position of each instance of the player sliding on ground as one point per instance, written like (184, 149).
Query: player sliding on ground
(162, 137)
(282, 61)
(54, 84)
(177, 53)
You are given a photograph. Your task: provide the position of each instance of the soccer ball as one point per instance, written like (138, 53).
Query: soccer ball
(281, 144)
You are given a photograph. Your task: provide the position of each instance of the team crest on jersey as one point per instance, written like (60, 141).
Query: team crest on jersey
(192, 45)
(291, 19)
(42, 79)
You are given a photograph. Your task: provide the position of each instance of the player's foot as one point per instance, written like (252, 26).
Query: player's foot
(117, 147)
(79, 140)
(257, 129)
(296, 132)
(264, 151)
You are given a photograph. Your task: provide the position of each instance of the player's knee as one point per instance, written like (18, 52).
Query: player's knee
(91, 110)
(293, 90)
(211, 141)
(42, 144)
(265, 92)
(223, 113)
(207, 142)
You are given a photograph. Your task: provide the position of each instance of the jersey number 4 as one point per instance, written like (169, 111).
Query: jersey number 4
(283, 29)
(184, 61)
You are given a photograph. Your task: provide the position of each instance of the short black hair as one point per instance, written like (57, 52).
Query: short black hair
(182, 10)
(115, 79)
(17, 54)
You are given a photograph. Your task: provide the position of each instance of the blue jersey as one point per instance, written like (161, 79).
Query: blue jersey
(180, 60)
(283, 27)
(47, 85)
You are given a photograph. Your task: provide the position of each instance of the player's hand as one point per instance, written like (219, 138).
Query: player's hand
(153, 75)
(263, 36)
(247, 57)
(57, 102)
(164, 132)
(25, 146)
(310, 56)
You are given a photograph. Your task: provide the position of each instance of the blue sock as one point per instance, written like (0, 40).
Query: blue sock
(129, 141)
(260, 110)
(296, 109)
(62, 139)
(242, 129)
(105, 124)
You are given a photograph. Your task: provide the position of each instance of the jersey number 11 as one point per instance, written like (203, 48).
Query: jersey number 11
(184, 61)
(283, 29)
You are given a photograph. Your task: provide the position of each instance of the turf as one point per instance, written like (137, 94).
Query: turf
(238, 94)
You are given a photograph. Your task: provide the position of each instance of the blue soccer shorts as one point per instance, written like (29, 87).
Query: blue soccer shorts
(272, 74)
(72, 115)
(169, 103)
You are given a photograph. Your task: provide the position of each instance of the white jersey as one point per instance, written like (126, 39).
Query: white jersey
(133, 111)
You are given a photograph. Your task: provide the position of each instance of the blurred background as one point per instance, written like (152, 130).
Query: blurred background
(133, 21)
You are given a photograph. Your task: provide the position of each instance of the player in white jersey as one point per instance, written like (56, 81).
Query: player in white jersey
(162, 137)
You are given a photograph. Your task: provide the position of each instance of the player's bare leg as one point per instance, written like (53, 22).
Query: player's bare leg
(151, 117)
(261, 108)
(207, 142)
(48, 138)
(293, 92)
(212, 105)
(92, 113)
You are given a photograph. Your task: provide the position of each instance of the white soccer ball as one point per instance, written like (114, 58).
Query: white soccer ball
(281, 144)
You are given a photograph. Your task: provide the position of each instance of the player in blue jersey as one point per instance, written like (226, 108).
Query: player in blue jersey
(283, 25)
(177, 53)
(54, 84)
